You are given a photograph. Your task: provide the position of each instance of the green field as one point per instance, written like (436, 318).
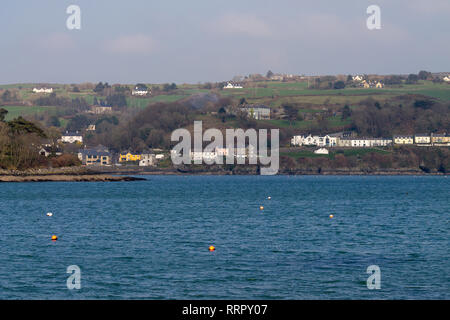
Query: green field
(285, 92)
(16, 111)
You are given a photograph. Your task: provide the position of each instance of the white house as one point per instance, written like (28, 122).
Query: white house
(47, 151)
(321, 151)
(72, 137)
(203, 155)
(364, 142)
(403, 139)
(357, 78)
(43, 90)
(258, 112)
(232, 86)
(447, 78)
(147, 160)
(422, 139)
(140, 91)
(320, 141)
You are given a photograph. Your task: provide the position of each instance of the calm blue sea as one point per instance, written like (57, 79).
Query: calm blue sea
(150, 239)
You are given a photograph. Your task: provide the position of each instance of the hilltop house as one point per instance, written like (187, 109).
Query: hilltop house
(98, 156)
(140, 90)
(258, 112)
(43, 90)
(447, 78)
(231, 85)
(357, 78)
(72, 137)
(403, 139)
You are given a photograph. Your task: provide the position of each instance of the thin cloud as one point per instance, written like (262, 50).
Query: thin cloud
(131, 44)
(243, 25)
(56, 42)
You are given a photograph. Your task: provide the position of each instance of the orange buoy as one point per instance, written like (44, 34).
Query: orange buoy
(261, 208)
(212, 248)
(331, 216)
(54, 238)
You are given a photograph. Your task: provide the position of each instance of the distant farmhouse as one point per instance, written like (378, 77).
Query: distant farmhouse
(100, 109)
(258, 112)
(72, 137)
(447, 78)
(43, 90)
(371, 84)
(97, 156)
(231, 85)
(140, 90)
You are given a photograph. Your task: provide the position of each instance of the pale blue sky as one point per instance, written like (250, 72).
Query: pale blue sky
(208, 40)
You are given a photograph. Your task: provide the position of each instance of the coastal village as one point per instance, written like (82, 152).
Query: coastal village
(101, 156)
(317, 116)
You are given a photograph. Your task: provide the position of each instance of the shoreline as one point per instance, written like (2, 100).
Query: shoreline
(115, 174)
(69, 178)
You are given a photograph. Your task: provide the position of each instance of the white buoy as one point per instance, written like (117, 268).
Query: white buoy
(269, 198)
(49, 214)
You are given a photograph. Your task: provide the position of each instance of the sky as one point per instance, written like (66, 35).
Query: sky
(209, 40)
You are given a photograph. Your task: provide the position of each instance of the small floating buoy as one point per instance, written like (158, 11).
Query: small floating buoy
(49, 214)
(269, 197)
(261, 208)
(331, 216)
(212, 248)
(54, 238)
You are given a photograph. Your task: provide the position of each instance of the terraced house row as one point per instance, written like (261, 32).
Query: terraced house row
(347, 140)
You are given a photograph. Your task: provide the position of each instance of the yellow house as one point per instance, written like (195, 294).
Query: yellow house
(366, 84)
(379, 85)
(403, 139)
(124, 157)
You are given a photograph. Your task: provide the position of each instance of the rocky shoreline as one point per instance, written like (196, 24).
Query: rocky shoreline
(112, 174)
(70, 174)
(69, 178)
